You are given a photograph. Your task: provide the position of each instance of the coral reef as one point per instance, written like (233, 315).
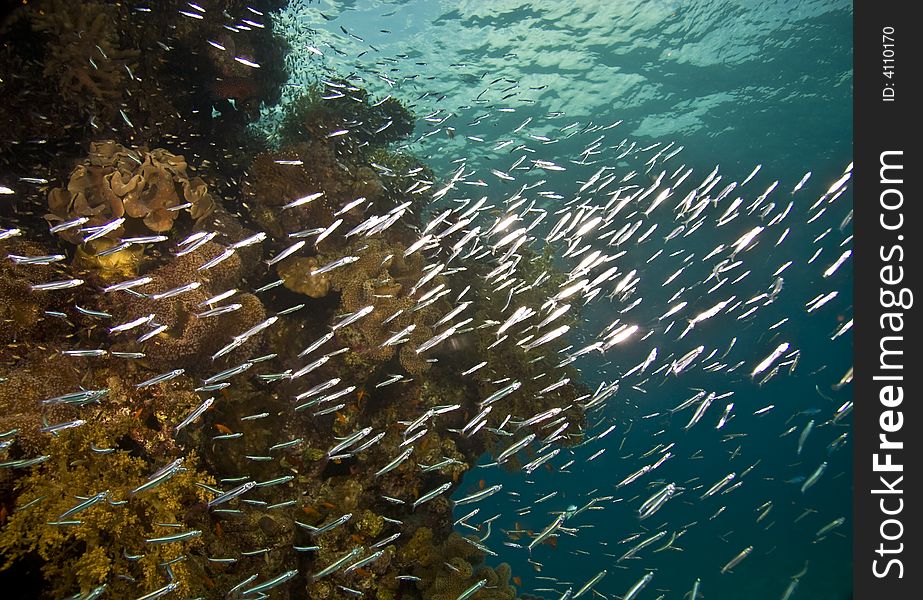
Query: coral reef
(105, 543)
(102, 386)
(401, 171)
(320, 177)
(454, 566)
(382, 277)
(104, 258)
(22, 314)
(189, 340)
(301, 171)
(322, 110)
(78, 72)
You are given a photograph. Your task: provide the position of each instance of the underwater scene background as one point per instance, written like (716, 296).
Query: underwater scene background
(426, 299)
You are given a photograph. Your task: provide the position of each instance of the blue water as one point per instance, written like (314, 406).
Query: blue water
(738, 84)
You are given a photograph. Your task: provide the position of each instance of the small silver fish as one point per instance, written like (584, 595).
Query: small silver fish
(56, 285)
(432, 494)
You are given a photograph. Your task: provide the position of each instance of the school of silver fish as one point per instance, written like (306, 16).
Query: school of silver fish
(683, 279)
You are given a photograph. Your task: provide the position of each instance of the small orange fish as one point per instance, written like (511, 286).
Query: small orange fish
(517, 580)
(223, 429)
(209, 582)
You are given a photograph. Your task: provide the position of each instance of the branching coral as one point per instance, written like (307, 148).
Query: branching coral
(84, 51)
(146, 187)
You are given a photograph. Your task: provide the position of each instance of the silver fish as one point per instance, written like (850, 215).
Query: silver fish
(338, 563)
(64, 284)
(231, 494)
(395, 463)
(195, 414)
(160, 378)
(432, 494)
(340, 262)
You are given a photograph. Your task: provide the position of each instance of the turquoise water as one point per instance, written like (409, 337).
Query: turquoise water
(743, 82)
(739, 84)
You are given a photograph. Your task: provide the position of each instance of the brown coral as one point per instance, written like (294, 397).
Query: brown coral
(296, 275)
(278, 178)
(22, 395)
(21, 310)
(188, 338)
(381, 276)
(146, 187)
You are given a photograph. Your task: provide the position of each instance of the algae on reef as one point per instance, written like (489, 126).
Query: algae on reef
(123, 431)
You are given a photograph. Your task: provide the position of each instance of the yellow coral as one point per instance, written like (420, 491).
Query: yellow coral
(369, 524)
(462, 567)
(90, 545)
(120, 265)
